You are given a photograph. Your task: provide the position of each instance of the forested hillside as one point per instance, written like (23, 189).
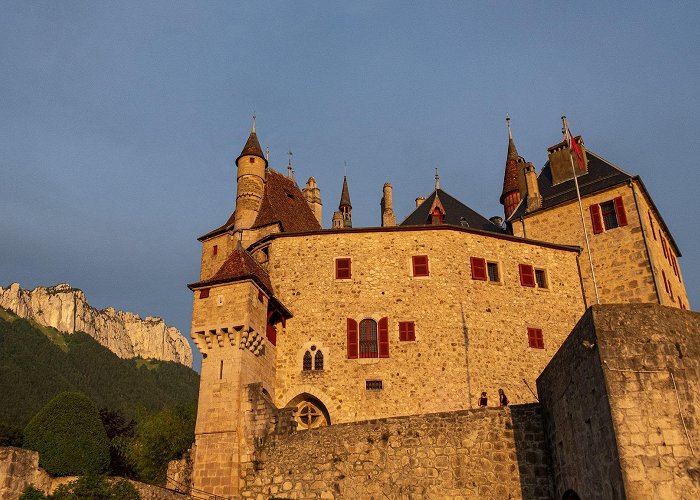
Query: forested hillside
(37, 363)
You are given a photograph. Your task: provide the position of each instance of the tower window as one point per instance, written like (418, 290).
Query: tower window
(535, 338)
(215, 249)
(541, 278)
(368, 339)
(492, 269)
(420, 265)
(307, 361)
(204, 293)
(343, 269)
(251, 160)
(407, 330)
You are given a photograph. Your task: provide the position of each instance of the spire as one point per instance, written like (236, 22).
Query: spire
(437, 179)
(345, 195)
(252, 146)
(510, 196)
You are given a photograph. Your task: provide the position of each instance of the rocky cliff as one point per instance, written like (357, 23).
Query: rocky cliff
(125, 334)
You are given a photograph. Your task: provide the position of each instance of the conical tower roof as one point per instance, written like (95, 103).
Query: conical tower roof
(345, 194)
(252, 145)
(510, 179)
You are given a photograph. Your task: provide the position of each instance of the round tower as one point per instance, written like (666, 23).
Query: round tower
(251, 164)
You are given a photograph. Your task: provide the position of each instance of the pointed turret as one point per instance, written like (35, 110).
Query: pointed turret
(252, 166)
(345, 207)
(511, 194)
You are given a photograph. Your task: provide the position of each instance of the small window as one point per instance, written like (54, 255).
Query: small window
(343, 269)
(535, 338)
(260, 295)
(609, 216)
(663, 245)
(541, 278)
(215, 249)
(307, 361)
(492, 269)
(374, 385)
(407, 331)
(318, 361)
(420, 265)
(204, 293)
(251, 160)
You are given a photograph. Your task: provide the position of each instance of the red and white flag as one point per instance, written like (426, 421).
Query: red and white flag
(573, 148)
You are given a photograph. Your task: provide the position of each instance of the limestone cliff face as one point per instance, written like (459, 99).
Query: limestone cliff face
(125, 334)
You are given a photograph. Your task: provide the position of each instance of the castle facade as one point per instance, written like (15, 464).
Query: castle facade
(350, 324)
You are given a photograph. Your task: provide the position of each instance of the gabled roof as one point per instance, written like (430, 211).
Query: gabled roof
(240, 265)
(283, 203)
(601, 175)
(456, 214)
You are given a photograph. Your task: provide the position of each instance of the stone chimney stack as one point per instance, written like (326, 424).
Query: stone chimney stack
(534, 198)
(560, 161)
(312, 193)
(388, 217)
(419, 201)
(338, 222)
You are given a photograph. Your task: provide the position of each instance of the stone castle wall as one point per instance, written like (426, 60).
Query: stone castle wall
(623, 411)
(471, 336)
(125, 334)
(485, 453)
(620, 255)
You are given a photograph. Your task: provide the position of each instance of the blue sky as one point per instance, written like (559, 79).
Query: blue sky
(121, 120)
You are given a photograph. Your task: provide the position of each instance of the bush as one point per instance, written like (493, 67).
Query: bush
(31, 493)
(96, 487)
(69, 436)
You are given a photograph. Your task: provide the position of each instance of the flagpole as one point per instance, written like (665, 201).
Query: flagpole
(580, 209)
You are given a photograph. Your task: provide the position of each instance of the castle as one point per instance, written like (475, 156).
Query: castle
(302, 327)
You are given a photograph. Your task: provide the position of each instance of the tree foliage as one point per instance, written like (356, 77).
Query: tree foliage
(69, 436)
(164, 436)
(34, 368)
(87, 487)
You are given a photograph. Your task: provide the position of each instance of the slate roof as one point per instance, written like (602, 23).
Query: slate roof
(283, 203)
(510, 178)
(345, 195)
(455, 210)
(240, 265)
(601, 175)
(252, 147)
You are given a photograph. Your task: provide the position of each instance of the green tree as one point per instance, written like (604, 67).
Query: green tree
(69, 436)
(95, 487)
(162, 437)
(31, 493)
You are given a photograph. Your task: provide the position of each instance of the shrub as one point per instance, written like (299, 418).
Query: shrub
(96, 487)
(69, 436)
(31, 493)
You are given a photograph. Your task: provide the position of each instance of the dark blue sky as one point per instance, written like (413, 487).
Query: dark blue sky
(121, 120)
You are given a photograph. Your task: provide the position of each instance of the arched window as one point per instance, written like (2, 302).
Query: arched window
(307, 361)
(318, 361)
(368, 339)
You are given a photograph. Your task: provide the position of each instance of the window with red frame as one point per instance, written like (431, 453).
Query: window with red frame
(608, 215)
(369, 340)
(535, 338)
(407, 330)
(204, 293)
(343, 269)
(420, 265)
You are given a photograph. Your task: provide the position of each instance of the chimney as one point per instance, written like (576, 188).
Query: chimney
(560, 162)
(419, 201)
(388, 217)
(534, 198)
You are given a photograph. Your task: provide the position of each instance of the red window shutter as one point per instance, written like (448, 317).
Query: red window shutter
(596, 219)
(420, 265)
(663, 274)
(343, 269)
(535, 338)
(478, 268)
(663, 245)
(527, 275)
(620, 211)
(407, 330)
(204, 293)
(271, 332)
(383, 338)
(352, 338)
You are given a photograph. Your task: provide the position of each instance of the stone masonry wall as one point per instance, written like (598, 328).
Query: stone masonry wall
(485, 454)
(614, 418)
(18, 469)
(578, 421)
(471, 336)
(651, 362)
(622, 266)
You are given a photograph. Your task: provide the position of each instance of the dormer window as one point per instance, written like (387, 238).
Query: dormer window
(437, 217)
